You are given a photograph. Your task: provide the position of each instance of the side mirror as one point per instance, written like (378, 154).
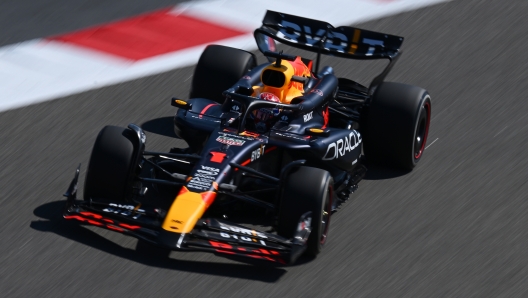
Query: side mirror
(265, 44)
(180, 104)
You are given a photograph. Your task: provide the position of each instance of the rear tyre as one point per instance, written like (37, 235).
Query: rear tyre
(397, 125)
(112, 166)
(307, 189)
(218, 69)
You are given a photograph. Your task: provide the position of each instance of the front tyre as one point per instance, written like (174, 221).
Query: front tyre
(112, 166)
(397, 125)
(307, 189)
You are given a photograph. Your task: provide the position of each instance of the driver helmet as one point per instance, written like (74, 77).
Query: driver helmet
(277, 80)
(278, 87)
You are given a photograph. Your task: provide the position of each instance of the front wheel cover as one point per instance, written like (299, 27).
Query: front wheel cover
(318, 240)
(307, 189)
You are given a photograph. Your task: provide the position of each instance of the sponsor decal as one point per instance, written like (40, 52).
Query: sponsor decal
(245, 231)
(125, 210)
(246, 78)
(208, 170)
(200, 181)
(230, 141)
(203, 178)
(293, 31)
(317, 91)
(284, 118)
(211, 169)
(307, 117)
(235, 108)
(342, 146)
(335, 41)
(129, 207)
(243, 238)
(257, 153)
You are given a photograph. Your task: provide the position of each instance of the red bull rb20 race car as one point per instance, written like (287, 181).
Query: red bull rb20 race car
(274, 149)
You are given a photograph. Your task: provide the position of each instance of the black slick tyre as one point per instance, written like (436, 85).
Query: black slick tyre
(218, 69)
(307, 189)
(112, 167)
(397, 125)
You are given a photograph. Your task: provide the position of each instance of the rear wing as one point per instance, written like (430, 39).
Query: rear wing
(323, 38)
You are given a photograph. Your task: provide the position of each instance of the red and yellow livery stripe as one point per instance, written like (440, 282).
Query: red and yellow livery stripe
(186, 210)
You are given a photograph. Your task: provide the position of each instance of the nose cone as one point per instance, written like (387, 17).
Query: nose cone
(186, 209)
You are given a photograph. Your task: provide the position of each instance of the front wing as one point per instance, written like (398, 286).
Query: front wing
(209, 234)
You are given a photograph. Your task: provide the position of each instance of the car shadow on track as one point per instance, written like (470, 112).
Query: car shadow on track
(53, 222)
(162, 126)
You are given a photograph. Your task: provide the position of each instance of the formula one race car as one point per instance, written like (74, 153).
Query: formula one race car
(274, 148)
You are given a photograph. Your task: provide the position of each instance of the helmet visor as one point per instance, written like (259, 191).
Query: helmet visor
(273, 78)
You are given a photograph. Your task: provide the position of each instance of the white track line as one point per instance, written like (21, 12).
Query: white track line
(37, 70)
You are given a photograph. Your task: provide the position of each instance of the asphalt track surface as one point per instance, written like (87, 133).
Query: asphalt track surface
(454, 227)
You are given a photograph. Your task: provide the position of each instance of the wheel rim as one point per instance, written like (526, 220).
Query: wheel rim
(325, 218)
(422, 130)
